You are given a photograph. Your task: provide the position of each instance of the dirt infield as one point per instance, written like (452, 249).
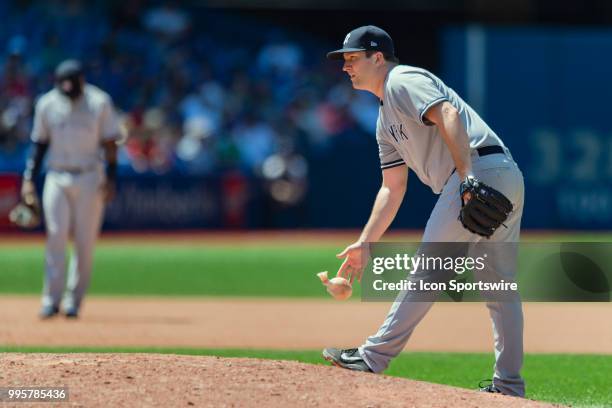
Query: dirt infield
(294, 324)
(128, 380)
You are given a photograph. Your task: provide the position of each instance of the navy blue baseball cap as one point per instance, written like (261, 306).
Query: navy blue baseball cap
(366, 38)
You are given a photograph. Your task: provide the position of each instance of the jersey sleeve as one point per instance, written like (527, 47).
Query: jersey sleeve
(40, 128)
(388, 154)
(109, 126)
(414, 93)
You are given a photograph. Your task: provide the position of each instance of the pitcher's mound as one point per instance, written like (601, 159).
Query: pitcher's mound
(128, 380)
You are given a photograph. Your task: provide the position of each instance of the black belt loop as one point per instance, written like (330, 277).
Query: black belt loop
(487, 150)
(483, 151)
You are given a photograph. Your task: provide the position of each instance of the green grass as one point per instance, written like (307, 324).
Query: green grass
(572, 379)
(191, 269)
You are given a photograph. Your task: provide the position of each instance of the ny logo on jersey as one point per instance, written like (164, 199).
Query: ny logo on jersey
(397, 131)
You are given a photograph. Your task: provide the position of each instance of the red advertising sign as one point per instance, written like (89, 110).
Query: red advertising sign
(9, 197)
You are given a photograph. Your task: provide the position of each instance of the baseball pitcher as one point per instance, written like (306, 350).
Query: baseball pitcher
(425, 126)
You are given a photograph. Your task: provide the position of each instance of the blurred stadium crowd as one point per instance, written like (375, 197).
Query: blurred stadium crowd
(200, 91)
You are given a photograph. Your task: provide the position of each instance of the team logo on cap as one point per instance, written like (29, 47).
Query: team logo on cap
(373, 44)
(346, 38)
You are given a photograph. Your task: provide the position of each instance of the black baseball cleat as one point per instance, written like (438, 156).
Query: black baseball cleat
(349, 359)
(488, 387)
(48, 312)
(71, 313)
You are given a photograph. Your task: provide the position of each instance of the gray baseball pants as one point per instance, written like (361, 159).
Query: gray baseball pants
(501, 173)
(73, 206)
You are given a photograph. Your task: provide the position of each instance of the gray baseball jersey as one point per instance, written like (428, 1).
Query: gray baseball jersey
(75, 132)
(405, 136)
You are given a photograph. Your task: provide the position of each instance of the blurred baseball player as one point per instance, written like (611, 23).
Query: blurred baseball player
(425, 126)
(76, 124)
